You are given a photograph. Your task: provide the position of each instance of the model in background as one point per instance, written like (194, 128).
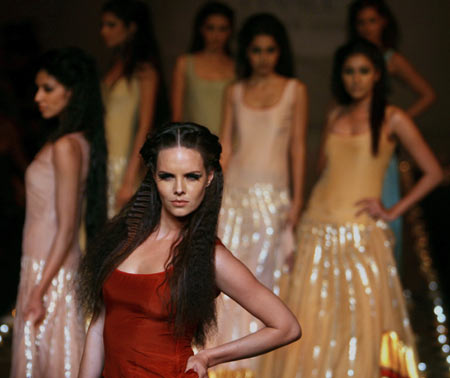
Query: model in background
(133, 91)
(201, 77)
(152, 276)
(344, 285)
(374, 21)
(263, 139)
(70, 168)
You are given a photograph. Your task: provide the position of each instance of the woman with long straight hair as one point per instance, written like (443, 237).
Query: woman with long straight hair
(68, 171)
(133, 92)
(344, 284)
(152, 275)
(263, 137)
(201, 76)
(374, 21)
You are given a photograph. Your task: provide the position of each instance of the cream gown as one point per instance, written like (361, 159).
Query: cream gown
(254, 208)
(345, 288)
(54, 349)
(122, 110)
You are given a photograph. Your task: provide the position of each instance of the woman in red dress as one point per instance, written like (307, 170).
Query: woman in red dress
(152, 276)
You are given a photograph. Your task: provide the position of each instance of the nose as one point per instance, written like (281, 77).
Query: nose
(38, 96)
(179, 188)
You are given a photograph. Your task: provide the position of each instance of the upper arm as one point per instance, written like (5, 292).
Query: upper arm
(331, 116)
(148, 86)
(403, 69)
(226, 129)
(300, 118)
(67, 160)
(234, 279)
(410, 137)
(178, 85)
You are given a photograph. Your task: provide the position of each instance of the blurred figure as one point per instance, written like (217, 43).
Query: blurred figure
(70, 168)
(263, 139)
(200, 77)
(133, 93)
(374, 21)
(344, 285)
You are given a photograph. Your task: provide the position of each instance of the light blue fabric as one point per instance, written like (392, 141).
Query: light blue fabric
(390, 196)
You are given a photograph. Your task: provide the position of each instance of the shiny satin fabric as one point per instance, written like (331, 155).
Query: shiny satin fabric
(138, 338)
(54, 348)
(344, 287)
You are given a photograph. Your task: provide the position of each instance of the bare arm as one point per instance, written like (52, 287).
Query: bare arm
(281, 327)
(92, 361)
(226, 129)
(67, 161)
(408, 134)
(178, 86)
(298, 151)
(403, 69)
(148, 84)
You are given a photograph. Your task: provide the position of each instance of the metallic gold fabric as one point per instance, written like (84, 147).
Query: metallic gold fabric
(396, 359)
(344, 287)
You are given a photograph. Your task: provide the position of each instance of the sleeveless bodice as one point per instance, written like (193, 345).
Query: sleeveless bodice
(352, 173)
(262, 140)
(203, 99)
(138, 337)
(41, 218)
(122, 107)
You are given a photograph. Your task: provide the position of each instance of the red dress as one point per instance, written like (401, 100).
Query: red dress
(137, 336)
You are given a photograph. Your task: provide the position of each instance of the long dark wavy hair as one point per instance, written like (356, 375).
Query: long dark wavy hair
(142, 48)
(210, 8)
(264, 24)
(191, 261)
(390, 36)
(77, 71)
(380, 89)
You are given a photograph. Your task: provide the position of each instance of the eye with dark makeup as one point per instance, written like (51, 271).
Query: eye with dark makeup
(164, 176)
(193, 176)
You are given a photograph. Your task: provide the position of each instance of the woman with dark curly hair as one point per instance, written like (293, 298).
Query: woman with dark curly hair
(201, 77)
(152, 275)
(374, 21)
(344, 283)
(134, 93)
(263, 137)
(69, 170)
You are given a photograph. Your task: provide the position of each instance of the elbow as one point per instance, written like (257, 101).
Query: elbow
(431, 97)
(293, 331)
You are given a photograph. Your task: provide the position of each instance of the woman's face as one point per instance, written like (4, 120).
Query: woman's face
(51, 96)
(181, 179)
(359, 76)
(370, 25)
(263, 53)
(216, 31)
(114, 31)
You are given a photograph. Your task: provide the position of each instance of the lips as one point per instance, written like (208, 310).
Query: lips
(179, 203)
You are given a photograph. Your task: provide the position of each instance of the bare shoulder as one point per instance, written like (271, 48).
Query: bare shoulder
(147, 71)
(67, 152)
(222, 257)
(181, 62)
(395, 114)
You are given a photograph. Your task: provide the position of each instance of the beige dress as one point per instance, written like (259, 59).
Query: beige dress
(122, 110)
(203, 99)
(254, 208)
(54, 349)
(345, 288)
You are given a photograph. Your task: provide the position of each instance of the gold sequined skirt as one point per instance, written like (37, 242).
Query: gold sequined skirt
(252, 225)
(346, 293)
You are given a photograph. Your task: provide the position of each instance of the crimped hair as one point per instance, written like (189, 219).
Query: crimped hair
(264, 24)
(77, 71)
(190, 269)
(380, 89)
(390, 36)
(209, 9)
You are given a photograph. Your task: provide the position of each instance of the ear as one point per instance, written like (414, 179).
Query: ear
(210, 177)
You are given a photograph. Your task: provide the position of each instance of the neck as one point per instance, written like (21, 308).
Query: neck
(362, 104)
(213, 52)
(256, 78)
(169, 225)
